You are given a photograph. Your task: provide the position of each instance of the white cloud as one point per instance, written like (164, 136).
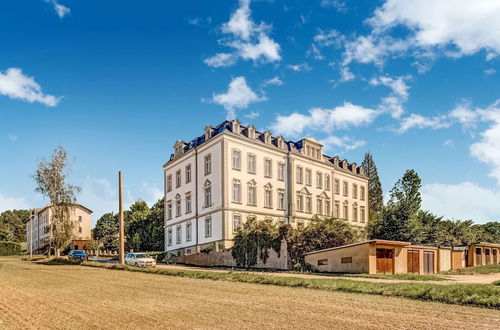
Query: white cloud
(467, 25)
(464, 115)
(393, 103)
(344, 142)
(252, 115)
(221, 60)
(339, 6)
(464, 200)
(153, 193)
(12, 138)
(60, 9)
(418, 121)
(490, 72)
(448, 143)
(318, 119)
(14, 84)
(273, 81)
(238, 96)
(329, 38)
(10, 203)
(249, 40)
(299, 67)
(487, 150)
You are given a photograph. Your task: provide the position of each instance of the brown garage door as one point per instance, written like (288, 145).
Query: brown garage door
(495, 256)
(456, 259)
(413, 262)
(479, 260)
(428, 262)
(488, 256)
(385, 261)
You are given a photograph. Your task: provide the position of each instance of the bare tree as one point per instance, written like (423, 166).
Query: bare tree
(50, 177)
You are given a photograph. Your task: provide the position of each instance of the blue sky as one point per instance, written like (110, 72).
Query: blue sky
(117, 82)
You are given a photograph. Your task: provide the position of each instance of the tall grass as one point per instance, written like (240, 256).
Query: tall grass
(463, 294)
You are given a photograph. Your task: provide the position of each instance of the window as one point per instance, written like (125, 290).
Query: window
(169, 236)
(169, 210)
(252, 194)
(178, 206)
(362, 214)
(208, 194)
(345, 190)
(354, 190)
(281, 171)
(299, 174)
(188, 173)
(188, 202)
(236, 160)
(178, 179)
(236, 222)
(345, 213)
(208, 226)
(355, 212)
(251, 163)
(79, 218)
(189, 231)
(268, 168)
(300, 225)
(327, 207)
(236, 191)
(362, 193)
(337, 186)
(300, 202)
(346, 260)
(178, 238)
(319, 205)
(319, 180)
(308, 177)
(208, 164)
(327, 182)
(169, 182)
(268, 198)
(308, 204)
(281, 199)
(322, 262)
(79, 229)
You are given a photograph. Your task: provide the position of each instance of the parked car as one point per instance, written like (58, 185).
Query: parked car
(140, 260)
(78, 255)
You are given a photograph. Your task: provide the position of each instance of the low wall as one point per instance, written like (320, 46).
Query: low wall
(225, 259)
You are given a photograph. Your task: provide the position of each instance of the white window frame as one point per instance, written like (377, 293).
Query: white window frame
(281, 171)
(299, 173)
(189, 231)
(236, 191)
(169, 182)
(281, 199)
(188, 203)
(268, 168)
(319, 180)
(268, 198)
(188, 173)
(208, 226)
(236, 222)
(178, 178)
(251, 165)
(236, 159)
(308, 177)
(178, 234)
(208, 164)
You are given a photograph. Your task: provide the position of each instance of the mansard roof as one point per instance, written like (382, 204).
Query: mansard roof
(234, 126)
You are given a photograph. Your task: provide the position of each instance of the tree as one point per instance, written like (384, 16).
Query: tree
(136, 222)
(155, 233)
(106, 231)
(375, 197)
(398, 220)
(489, 232)
(12, 225)
(50, 178)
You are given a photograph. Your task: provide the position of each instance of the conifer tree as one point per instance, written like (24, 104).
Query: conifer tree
(375, 198)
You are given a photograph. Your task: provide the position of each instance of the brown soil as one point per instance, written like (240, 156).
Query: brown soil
(38, 296)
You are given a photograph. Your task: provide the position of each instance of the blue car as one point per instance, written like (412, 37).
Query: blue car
(78, 255)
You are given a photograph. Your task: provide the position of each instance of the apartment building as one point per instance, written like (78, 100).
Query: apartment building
(40, 220)
(232, 173)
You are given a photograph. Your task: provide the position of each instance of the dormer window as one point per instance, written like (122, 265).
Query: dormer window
(251, 131)
(208, 132)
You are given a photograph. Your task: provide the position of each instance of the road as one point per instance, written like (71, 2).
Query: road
(38, 296)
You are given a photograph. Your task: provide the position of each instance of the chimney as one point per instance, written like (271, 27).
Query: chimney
(235, 125)
(267, 137)
(251, 131)
(208, 132)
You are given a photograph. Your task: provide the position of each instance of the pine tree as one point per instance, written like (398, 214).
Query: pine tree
(375, 198)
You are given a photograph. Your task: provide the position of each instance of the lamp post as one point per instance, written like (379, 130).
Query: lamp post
(122, 227)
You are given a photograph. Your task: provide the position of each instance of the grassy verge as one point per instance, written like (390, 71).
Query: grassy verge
(463, 294)
(408, 277)
(485, 269)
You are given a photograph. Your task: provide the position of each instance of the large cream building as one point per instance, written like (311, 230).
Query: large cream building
(232, 173)
(40, 220)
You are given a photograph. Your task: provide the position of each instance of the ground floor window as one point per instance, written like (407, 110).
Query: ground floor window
(208, 227)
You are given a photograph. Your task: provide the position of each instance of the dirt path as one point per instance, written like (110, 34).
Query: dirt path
(36, 296)
(453, 279)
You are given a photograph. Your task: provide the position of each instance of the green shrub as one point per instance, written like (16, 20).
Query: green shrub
(63, 261)
(10, 248)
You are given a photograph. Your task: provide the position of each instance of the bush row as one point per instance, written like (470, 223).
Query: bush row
(9, 248)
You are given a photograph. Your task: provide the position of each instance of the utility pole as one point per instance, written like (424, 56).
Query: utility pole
(31, 233)
(122, 226)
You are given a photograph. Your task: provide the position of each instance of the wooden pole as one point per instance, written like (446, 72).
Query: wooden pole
(122, 226)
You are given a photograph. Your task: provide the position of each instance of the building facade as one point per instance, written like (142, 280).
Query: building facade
(232, 173)
(39, 223)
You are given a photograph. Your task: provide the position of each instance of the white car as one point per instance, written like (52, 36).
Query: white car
(140, 260)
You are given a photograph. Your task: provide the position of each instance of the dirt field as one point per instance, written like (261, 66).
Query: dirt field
(62, 297)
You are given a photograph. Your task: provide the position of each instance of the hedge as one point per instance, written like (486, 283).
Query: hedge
(9, 248)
